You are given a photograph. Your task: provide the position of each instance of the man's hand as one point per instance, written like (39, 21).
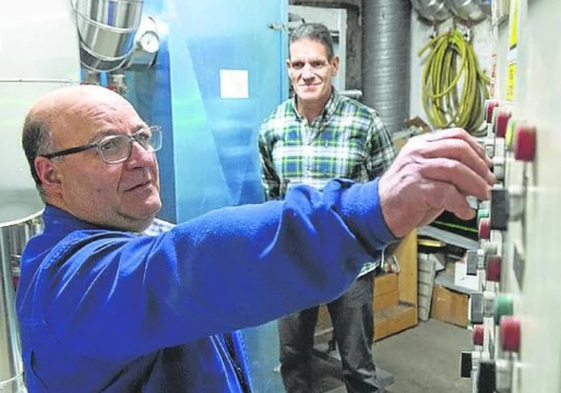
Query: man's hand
(433, 173)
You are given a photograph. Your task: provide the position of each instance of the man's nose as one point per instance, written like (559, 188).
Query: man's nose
(307, 72)
(139, 154)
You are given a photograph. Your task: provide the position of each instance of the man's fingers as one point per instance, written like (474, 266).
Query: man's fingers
(444, 196)
(458, 149)
(433, 173)
(455, 173)
(458, 134)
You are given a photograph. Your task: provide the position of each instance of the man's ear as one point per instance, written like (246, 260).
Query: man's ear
(335, 65)
(48, 173)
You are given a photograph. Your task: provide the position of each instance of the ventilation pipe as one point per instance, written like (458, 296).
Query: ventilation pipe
(386, 47)
(107, 30)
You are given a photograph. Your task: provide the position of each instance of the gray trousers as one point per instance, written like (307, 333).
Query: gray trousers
(353, 332)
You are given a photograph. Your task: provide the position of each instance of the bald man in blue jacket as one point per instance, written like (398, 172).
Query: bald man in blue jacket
(109, 301)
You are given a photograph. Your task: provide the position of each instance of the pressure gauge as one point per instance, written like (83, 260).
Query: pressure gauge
(149, 42)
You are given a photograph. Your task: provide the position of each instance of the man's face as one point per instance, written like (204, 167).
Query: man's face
(310, 70)
(123, 195)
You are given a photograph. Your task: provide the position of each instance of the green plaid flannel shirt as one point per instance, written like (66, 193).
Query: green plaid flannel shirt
(348, 140)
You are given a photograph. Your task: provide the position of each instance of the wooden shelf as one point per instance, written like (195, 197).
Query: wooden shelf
(394, 320)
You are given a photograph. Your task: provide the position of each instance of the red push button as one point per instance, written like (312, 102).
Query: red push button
(510, 333)
(489, 106)
(478, 334)
(494, 268)
(524, 144)
(485, 229)
(503, 116)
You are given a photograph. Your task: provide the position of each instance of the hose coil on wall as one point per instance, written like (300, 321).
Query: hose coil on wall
(454, 87)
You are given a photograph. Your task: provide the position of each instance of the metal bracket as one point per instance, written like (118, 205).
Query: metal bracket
(278, 26)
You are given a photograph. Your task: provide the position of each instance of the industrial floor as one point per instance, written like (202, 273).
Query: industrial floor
(424, 359)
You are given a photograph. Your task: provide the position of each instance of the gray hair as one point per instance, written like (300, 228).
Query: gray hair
(36, 140)
(315, 32)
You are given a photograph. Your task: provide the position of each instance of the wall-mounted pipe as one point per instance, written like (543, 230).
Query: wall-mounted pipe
(386, 47)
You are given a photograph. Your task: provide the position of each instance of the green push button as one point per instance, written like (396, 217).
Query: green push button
(505, 307)
(509, 137)
(482, 213)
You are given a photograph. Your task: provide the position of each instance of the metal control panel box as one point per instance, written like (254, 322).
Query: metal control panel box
(516, 326)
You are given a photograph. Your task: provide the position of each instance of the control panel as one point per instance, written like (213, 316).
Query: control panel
(493, 362)
(516, 329)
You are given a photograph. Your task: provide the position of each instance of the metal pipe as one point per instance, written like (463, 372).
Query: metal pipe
(386, 54)
(13, 237)
(10, 361)
(38, 80)
(355, 94)
(107, 29)
(432, 10)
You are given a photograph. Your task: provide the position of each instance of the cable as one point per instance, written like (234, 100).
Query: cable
(454, 87)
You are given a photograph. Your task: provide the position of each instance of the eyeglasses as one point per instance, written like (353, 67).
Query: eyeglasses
(118, 148)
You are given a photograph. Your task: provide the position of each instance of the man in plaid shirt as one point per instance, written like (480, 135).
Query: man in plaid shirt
(310, 139)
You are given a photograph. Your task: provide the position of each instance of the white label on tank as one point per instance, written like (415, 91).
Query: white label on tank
(234, 84)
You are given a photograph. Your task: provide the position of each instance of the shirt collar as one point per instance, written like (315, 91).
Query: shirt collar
(59, 224)
(58, 218)
(60, 221)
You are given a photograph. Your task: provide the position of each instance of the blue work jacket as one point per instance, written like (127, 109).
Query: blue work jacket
(104, 310)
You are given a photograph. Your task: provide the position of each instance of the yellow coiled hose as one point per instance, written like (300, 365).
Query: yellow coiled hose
(454, 87)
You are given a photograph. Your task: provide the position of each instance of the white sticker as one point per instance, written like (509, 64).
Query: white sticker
(234, 84)
(461, 278)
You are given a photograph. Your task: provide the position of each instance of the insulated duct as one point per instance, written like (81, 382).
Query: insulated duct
(107, 30)
(386, 47)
